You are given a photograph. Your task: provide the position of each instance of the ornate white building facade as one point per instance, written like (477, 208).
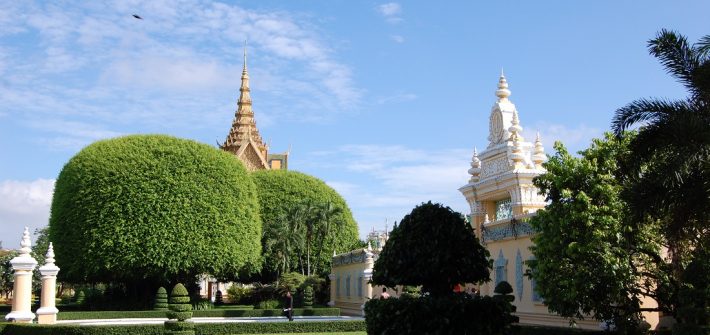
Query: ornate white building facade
(501, 196)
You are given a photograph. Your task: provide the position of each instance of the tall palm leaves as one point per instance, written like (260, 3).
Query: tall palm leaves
(297, 238)
(668, 177)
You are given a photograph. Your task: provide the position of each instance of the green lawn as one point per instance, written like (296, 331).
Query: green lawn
(340, 333)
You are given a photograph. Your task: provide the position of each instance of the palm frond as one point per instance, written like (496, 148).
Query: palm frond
(703, 48)
(676, 55)
(644, 110)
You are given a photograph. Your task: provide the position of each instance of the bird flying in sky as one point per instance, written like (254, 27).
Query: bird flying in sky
(137, 16)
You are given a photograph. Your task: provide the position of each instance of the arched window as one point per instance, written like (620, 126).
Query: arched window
(519, 274)
(359, 287)
(347, 286)
(337, 286)
(535, 296)
(500, 267)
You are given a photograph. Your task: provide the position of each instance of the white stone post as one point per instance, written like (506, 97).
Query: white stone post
(332, 277)
(367, 275)
(22, 265)
(47, 312)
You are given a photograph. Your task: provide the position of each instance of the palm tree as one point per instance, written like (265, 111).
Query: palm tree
(330, 222)
(668, 175)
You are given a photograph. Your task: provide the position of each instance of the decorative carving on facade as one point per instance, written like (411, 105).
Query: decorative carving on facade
(494, 167)
(355, 256)
(512, 229)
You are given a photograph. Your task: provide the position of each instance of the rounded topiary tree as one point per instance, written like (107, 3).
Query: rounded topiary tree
(308, 296)
(149, 209)
(280, 193)
(432, 247)
(161, 299)
(180, 311)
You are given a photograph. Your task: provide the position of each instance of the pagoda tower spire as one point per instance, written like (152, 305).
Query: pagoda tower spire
(244, 126)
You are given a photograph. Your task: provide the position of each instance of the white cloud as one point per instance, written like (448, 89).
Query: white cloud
(575, 138)
(397, 38)
(387, 181)
(391, 12)
(23, 204)
(94, 61)
(389, 9)
(398, 97)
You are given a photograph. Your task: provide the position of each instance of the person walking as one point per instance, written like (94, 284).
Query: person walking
(288, 305)
(384, 294)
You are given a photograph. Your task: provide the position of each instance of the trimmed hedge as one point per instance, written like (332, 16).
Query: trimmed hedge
(452, 314)
(150, 209)
(161, 300)
(200, 328)
(282, 190)
(544, 330)
(197, 314)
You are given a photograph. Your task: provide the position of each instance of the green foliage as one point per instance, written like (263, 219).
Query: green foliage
(202, 304)
(240, 294)
(201, 328)
(80, 297)
(669, 175)
(304, 220)
(218, 299)
(291, 281)
(150, 209)
(503, 288)
(432, 247)
(503, 295)
(308, 296)
(161, 299)
(6, 275)
(268, 304)
(448, 314)
(179, 306)
(321, 289)
(588, 259)
(204, 313)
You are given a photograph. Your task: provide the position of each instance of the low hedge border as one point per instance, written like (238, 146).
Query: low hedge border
(200, 328)
(197, 314)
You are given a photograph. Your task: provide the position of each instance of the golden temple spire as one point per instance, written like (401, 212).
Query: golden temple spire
(244, 126)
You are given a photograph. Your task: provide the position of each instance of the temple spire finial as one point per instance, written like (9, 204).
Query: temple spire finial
(245, 55)
(503, 92)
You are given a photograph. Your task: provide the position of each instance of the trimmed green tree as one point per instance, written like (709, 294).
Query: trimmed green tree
(144, 210)
(432, 247)
(304, 219)
(161, 299)
(308, 296)
(180, 311)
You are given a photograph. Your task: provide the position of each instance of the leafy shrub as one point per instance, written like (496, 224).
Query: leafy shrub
(202, 304)
(308, 296)
(150, 209)
(242, 295)
(449, 314)
(321, 289)
(268, 304)
(79, 297)
(291, 282)
(161, 300)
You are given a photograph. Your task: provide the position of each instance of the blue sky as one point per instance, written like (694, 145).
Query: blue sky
(382, 100)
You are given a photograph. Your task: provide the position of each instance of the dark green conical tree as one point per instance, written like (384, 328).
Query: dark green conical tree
(669, 175)
(161, 300)
(180, 311)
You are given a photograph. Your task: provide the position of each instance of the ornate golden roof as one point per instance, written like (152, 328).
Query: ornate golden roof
(244, 140)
